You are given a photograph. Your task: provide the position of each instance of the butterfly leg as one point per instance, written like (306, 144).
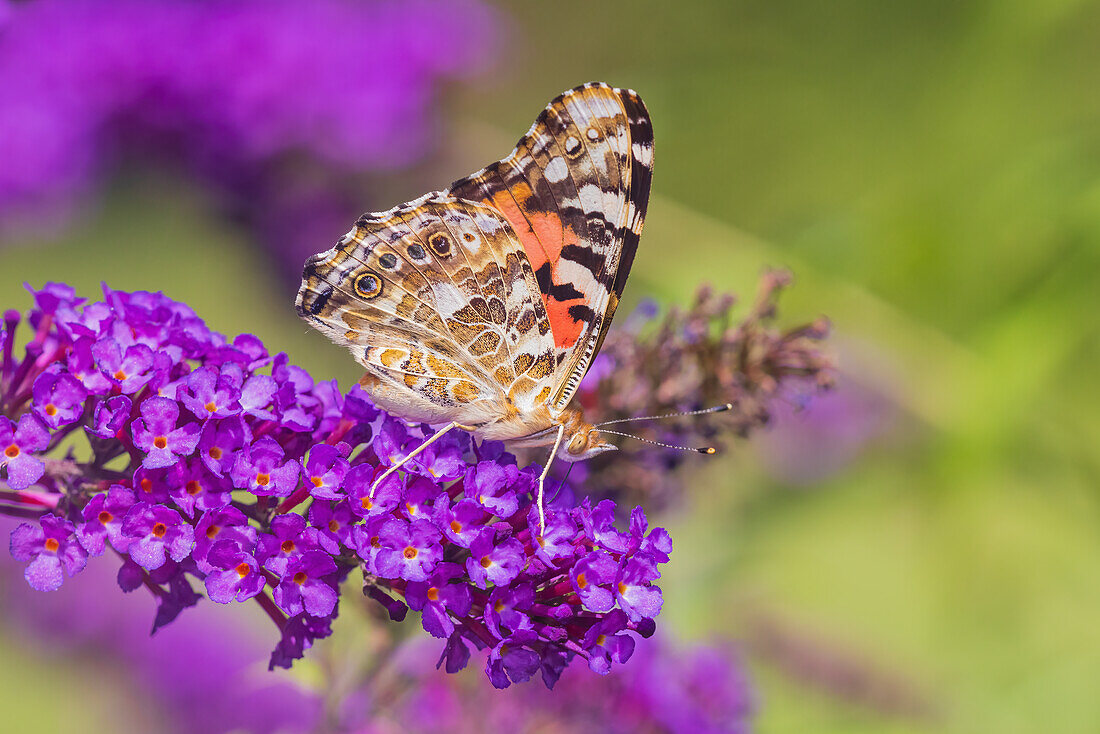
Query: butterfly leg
(428, 442)
(542, 478)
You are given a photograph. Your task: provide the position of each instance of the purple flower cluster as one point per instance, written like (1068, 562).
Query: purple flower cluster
(213, 461)
(664, 689)
(279, 106)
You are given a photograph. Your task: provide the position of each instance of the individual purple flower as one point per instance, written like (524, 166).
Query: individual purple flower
(420, 499)
(157, 533)
(494, 562)
(634, 590)
(604, 644)
(18, 442)
(220, 443)
(110, 416)
(289, 538)
(195, 489)
(334, 521)
(556, 541)
(305, 586)
(103, 517)
(237, 575)
(256, 395)
(324, 470)
(506, 611)
(156, 434)
(443, 459)
(261, 468)
(438, 598)
(461, 522)
(58, 399)
(407, 550)
(591, 576)
(386, 496)
(130, 368)
(490, 484)
(224, 524)
(52, 549)
(212, 393)
(510, 661)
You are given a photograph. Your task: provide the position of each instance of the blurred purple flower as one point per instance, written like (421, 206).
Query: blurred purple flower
(281, 106)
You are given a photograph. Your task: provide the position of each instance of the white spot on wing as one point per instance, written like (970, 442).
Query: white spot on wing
(556, 170)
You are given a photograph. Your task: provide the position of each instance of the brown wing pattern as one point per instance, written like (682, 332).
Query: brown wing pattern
(575, 191)
(438, 301)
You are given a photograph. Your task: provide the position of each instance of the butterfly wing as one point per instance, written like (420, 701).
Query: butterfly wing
(575, 191)
(437, 300)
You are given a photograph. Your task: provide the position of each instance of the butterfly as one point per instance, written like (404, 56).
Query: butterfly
(481, 307)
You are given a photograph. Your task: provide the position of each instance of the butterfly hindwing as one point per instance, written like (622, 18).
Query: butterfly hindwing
(575, 191)
(436, 299)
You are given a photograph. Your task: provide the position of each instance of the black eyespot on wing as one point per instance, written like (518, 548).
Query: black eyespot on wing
(368, 285)
(416, 252)
(388, 261)
(440, 244)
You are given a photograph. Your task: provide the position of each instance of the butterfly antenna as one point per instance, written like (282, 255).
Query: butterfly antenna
(697, 449)
(704, 411)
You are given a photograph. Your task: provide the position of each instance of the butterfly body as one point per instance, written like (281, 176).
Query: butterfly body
(482, 306)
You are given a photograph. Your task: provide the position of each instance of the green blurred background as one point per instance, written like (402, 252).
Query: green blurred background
(930, 171)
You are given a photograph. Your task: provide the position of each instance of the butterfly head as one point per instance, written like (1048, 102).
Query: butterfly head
(581, 440)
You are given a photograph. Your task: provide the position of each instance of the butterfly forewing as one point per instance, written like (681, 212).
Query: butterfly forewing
(575, 191)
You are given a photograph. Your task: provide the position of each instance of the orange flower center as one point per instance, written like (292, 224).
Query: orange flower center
(160, 529)
(456, 526)
(263, 479)
(146, 484)
(211, 407)
(375, 543)
(214, 453)
(11, 451)
(498, 607)
(105, 517)
(193, 487)
(287, 546)
(317, 481)
(160, 442)
(51, 409)
(52, 545)
(300, 578)
(333, 525)
(120, 375)
(486, 561)
(243, 569)
(622, 587)
(601, 639)
(366, 503)
(410, 508)
(212, 532)
(410, 552)
(433, 594)
(581, 581)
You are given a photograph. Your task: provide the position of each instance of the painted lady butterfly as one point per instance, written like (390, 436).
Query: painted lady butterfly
(481, 307)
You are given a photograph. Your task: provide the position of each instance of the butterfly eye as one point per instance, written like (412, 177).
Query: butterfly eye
(388, 261)
(440, 244)
(577, 443)
(416, 252)
(368, 285)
